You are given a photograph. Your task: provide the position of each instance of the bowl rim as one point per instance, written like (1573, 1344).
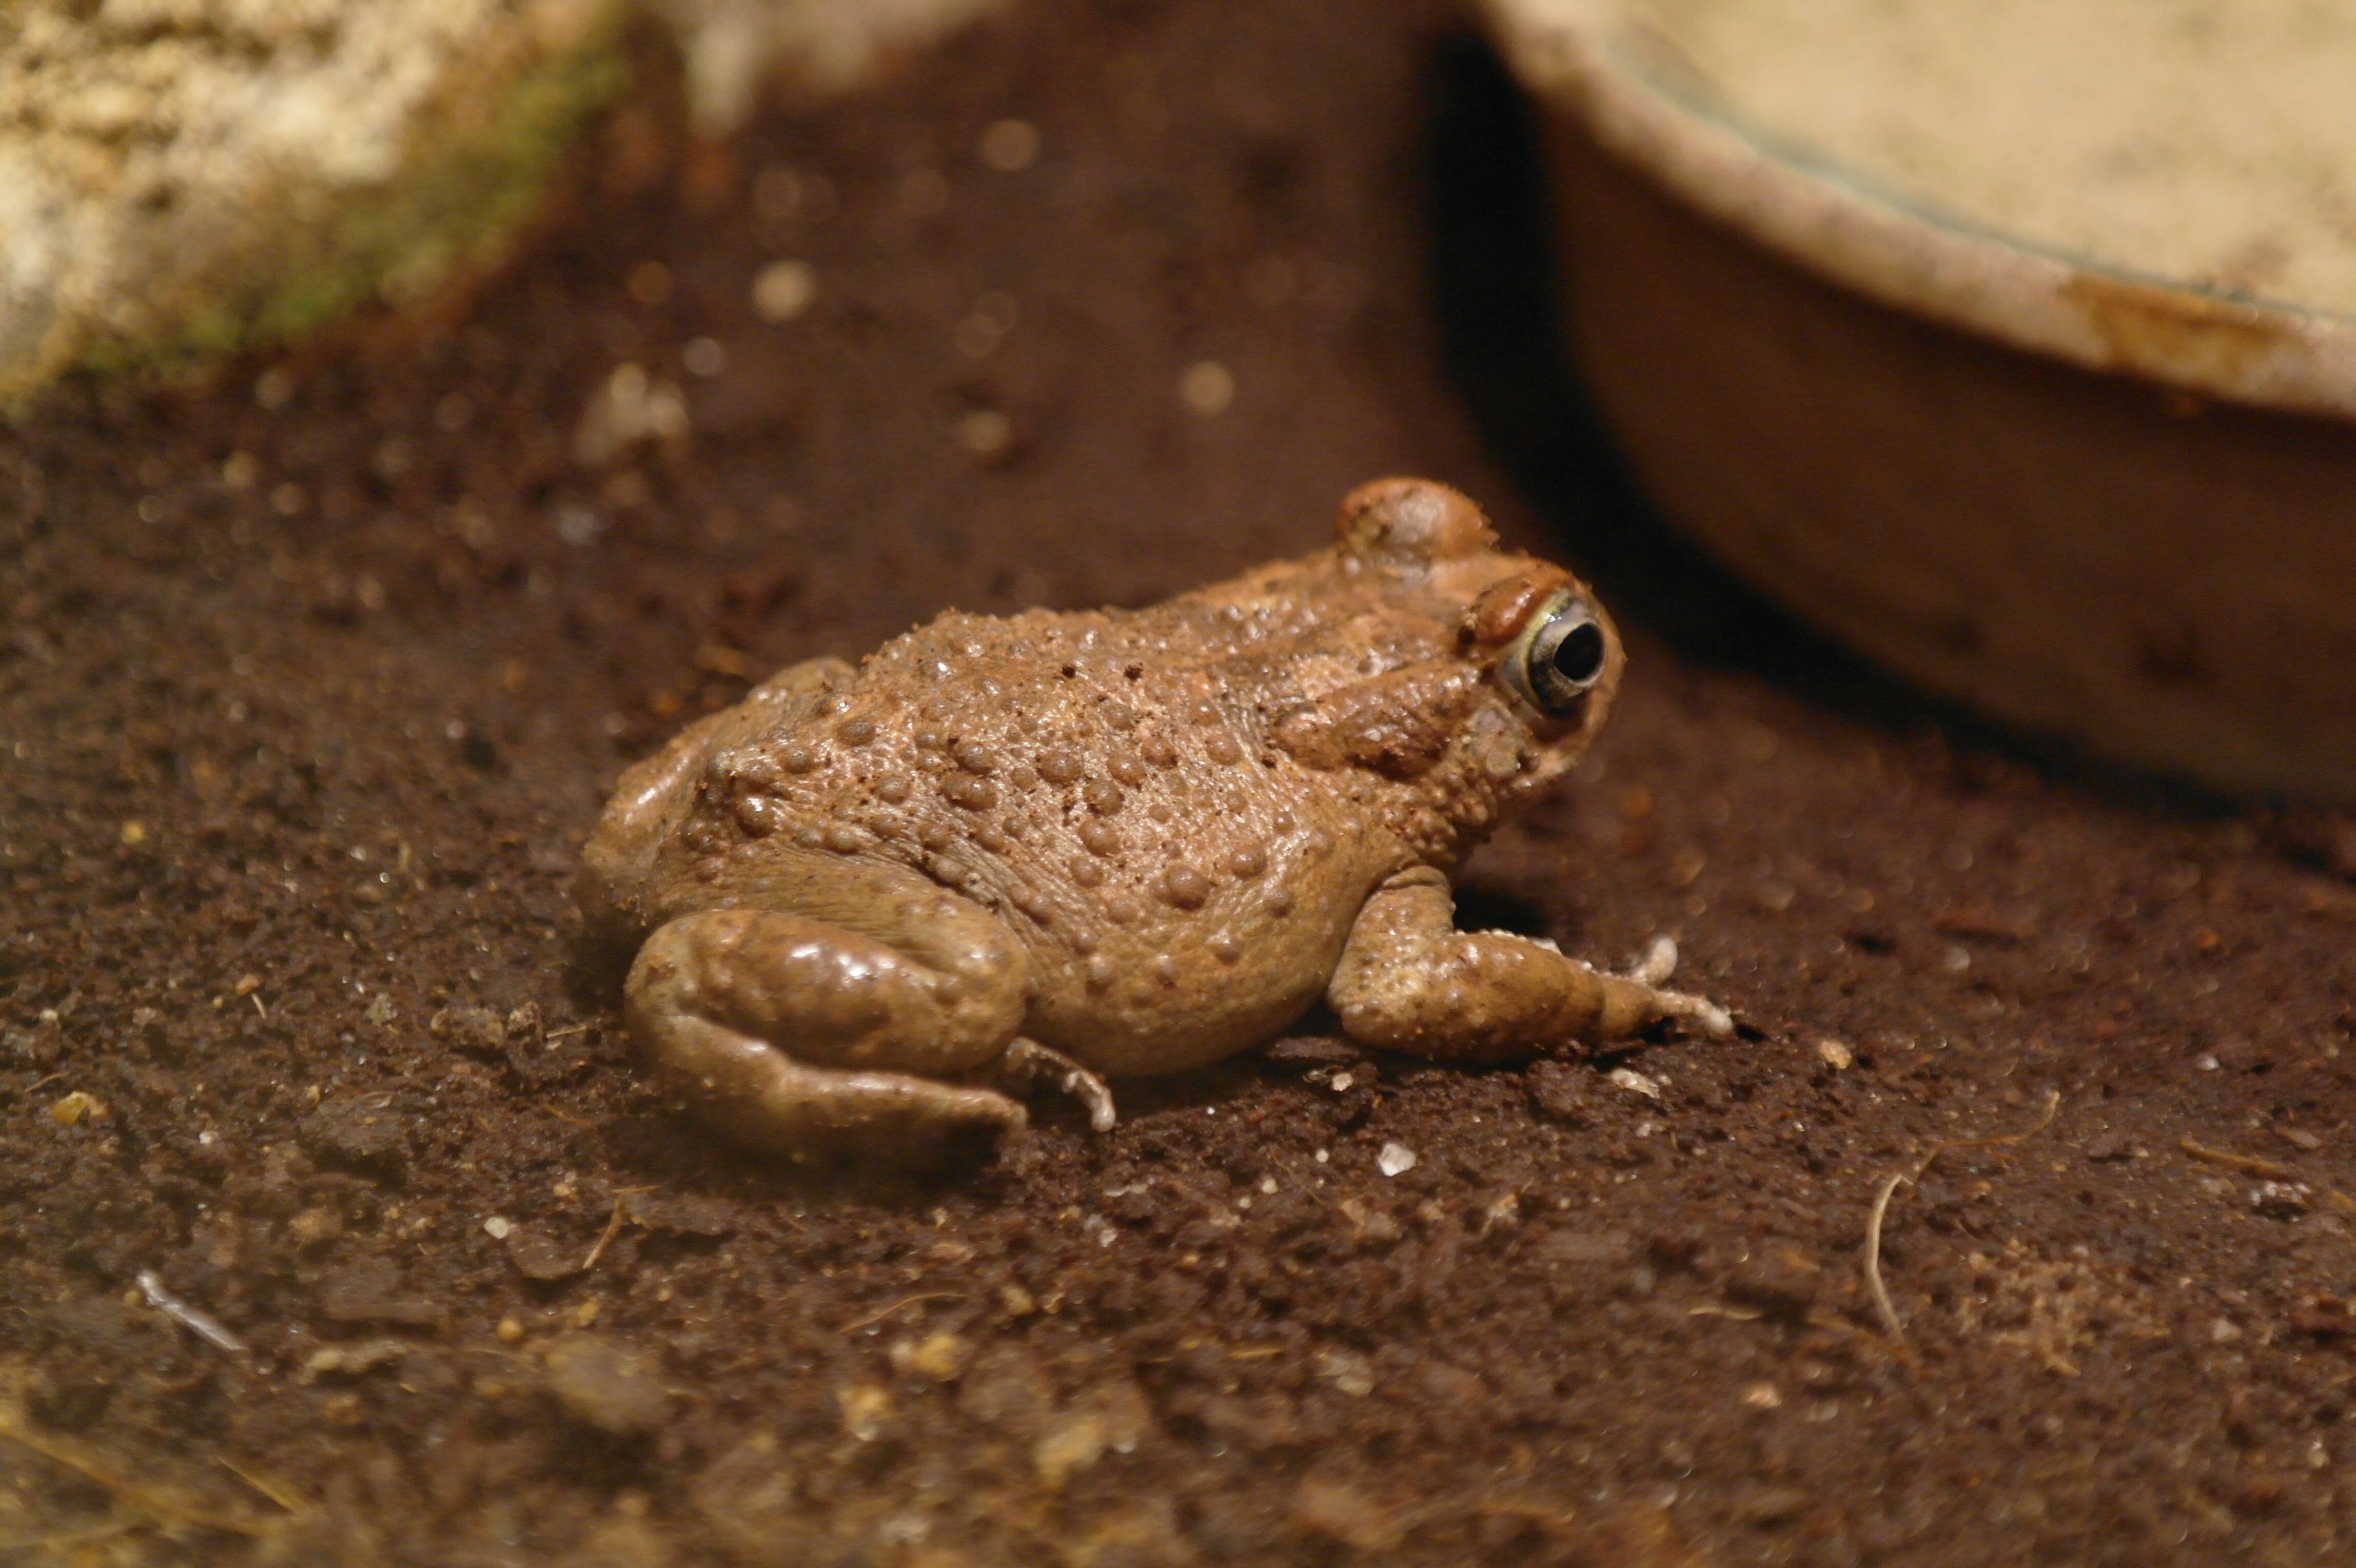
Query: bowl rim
(1591, 59)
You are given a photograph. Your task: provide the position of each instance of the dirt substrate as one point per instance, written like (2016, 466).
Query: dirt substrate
(311, 686)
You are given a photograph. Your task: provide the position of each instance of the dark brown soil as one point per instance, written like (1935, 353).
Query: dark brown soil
(311, 684)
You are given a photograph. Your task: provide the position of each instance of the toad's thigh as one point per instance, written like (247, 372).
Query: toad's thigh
(832, 998)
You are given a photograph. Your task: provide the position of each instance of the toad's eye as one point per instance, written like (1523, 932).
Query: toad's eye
(1558, 657)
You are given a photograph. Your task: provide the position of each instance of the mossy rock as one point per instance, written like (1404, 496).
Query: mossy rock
(182, 179)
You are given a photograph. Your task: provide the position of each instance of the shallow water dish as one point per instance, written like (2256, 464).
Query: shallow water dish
(2013, 343)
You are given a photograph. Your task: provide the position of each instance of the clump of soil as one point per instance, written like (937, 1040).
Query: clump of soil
(313, 682)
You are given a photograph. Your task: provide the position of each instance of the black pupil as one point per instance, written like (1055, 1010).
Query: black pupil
(1578, 657)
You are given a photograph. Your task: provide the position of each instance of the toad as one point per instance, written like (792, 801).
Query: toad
(875, 904)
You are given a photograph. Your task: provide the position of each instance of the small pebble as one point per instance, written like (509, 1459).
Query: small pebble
(1395, 1159)
(607, 1386)
(1347, 1370)
(1206, 387)
(1010, 146)
(75, 1107)
(865, 1408)
(1342, 1512)
(1072, 1445)
(350, 1360)
(1557, 1089)
(313, 1225)
(986, 433)
(783, 290)
(940, 1356)
(1635, 1082)
(537, 1255)
(2280, 1200)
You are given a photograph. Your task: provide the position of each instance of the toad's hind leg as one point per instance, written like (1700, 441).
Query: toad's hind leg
(803, 1038)
(1409, 981)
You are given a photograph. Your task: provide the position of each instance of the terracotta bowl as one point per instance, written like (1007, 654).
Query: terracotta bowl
(1864, 337)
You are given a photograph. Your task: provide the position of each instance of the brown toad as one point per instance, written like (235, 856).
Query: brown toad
(873, 899)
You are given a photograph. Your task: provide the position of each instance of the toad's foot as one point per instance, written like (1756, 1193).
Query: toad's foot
(1409, 981)
(1027, 1063)
(1659, 962)
(804, 1038)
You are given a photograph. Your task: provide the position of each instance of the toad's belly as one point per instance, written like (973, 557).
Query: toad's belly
(1134, 1009)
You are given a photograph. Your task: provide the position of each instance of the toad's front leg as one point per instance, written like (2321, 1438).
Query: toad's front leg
(1409, 981)
(803, 1038)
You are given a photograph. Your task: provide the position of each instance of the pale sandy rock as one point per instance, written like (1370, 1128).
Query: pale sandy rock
(178, 177)
(729, 46)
